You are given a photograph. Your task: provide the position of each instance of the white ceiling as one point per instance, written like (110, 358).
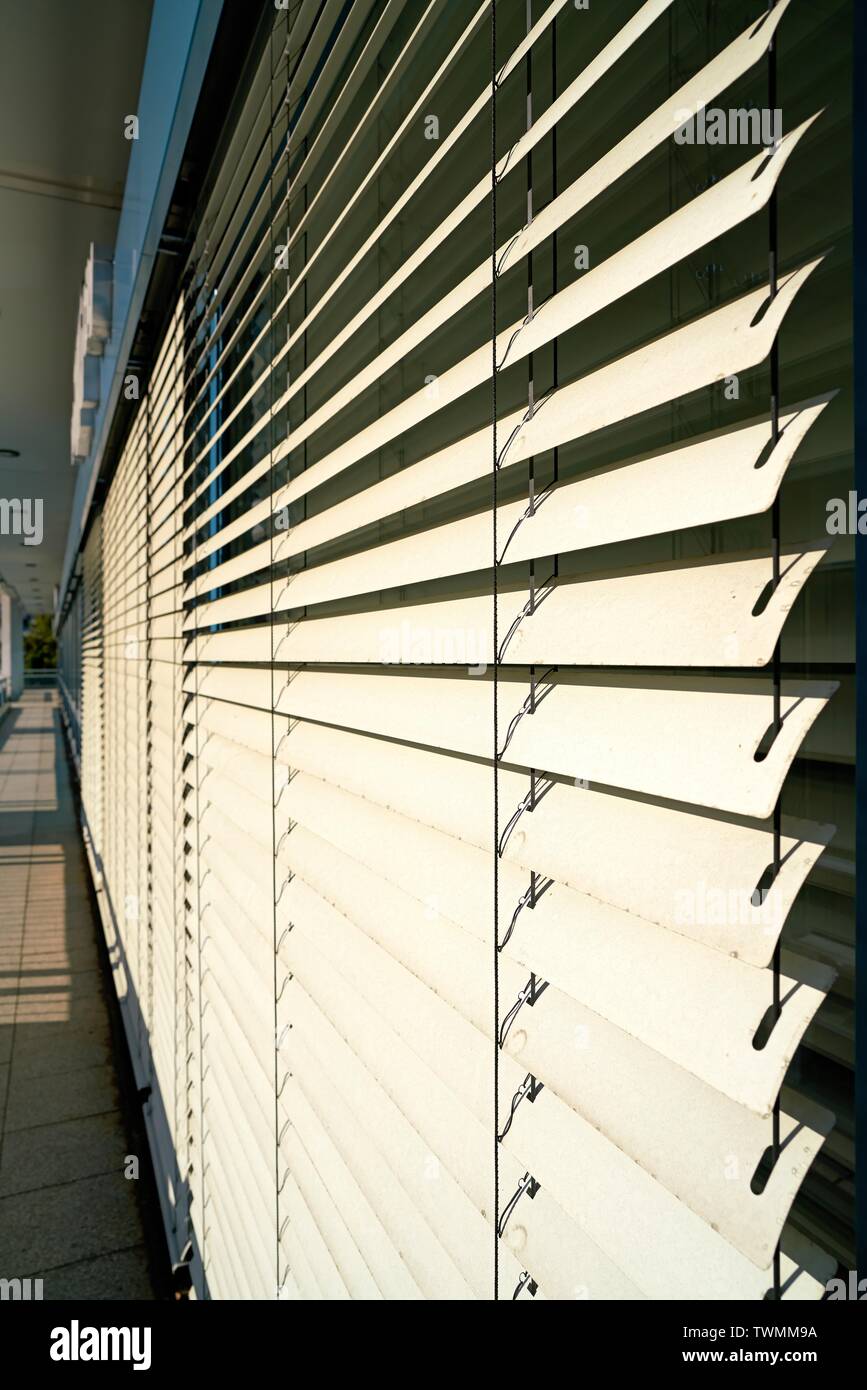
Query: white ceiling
(69, 73)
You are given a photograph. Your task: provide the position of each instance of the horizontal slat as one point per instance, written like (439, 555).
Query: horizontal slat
(708, 480)
(439, 155)
(685, 739)
(686, 1152)
(379, 1074)
(694, 873)
(733, 62)
(696, 614)
(458, 1142)
(417, 1266)
(697, 1007)
(677, 237)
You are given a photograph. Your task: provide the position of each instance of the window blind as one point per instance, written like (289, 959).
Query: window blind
(434, 736)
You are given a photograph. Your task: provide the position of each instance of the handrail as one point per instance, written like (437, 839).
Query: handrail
(40, 677)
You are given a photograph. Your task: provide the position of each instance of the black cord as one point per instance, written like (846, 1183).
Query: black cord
(773, 254)
(495, 932)
(274, 741)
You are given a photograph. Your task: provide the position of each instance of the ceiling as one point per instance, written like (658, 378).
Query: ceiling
(69, 73)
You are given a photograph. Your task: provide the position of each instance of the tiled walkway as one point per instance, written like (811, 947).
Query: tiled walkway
(67, 1213)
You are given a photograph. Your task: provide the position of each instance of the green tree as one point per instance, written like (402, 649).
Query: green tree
(40, 648)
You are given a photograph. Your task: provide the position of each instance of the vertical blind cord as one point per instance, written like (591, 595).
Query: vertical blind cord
(495, 933)
(555, 366)
(179, 856)
(773, 251)
(531, 463)
(149, 921)
(272, 433)
(198, 912)
(190, 311)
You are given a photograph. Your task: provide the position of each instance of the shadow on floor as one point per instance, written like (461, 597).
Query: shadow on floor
(69, 1117)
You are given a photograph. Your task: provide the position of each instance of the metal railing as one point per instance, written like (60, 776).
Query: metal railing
(40, 678)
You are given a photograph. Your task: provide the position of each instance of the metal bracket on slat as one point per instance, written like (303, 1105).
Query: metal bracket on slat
(525, 322)
(290, 628)
(536, 599)
(290, 826)
(529, 1089)
(291, 724)
(527, 1184)
(510, 245)
(539, 787)
(537, 594)
(283, 593)
(525, 1282)
(534, 502)
(282, 527)
(532, 991)
(540, 689)
(290, 675)
(283, 886)
(291, 773)
(529, 414)
(537, 887)
(505, 163)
